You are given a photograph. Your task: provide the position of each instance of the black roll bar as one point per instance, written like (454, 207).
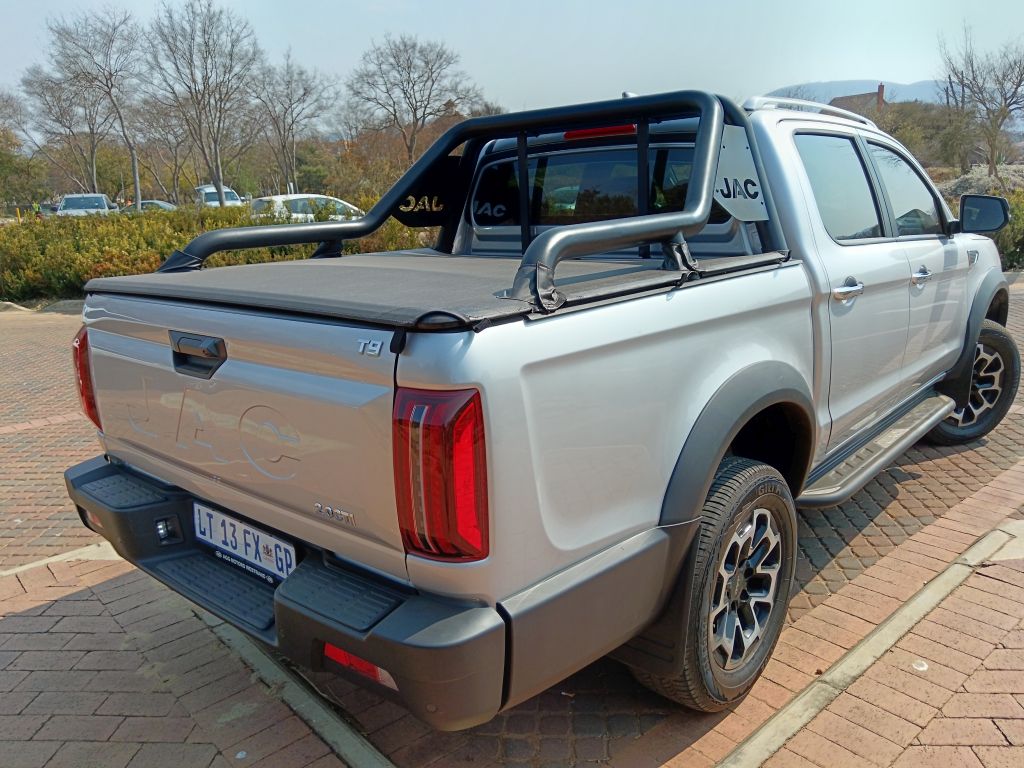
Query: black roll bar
(534, 280)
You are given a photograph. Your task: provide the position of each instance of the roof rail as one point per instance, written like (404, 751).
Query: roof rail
(779, 102)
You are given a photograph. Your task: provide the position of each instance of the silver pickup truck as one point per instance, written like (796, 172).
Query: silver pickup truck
(459, 477)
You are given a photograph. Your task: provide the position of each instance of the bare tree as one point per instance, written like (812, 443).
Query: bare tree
(991, 85)
(66, 124)
(404, 83)
(165, 147)
(10, 110)
(292, 99)
(802, 92)
(99, 52)
(202, 59)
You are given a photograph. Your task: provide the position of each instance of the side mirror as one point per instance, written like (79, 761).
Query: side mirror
(983, 214)
(54, 208)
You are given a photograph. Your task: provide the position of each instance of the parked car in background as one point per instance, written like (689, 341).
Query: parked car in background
(158, 205)
(206, 194)
(84, 205)
(305, 208)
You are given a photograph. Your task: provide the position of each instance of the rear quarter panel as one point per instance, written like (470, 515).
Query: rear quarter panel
(586, 413)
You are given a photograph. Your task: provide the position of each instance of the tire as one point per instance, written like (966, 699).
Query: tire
(749, 504)
(994, 384)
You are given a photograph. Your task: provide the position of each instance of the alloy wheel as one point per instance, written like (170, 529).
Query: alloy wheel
(744, 591)
(986, 387)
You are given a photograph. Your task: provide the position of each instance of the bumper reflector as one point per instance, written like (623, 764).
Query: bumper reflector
(363, 667)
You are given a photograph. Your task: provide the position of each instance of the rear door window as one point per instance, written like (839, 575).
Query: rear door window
(583, 185)
(840, 186)
(300, 205)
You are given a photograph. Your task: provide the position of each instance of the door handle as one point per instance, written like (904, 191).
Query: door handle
(921, 276)
(195, 355)
(851, 288)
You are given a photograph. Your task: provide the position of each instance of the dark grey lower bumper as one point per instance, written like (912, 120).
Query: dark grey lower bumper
(455, 665)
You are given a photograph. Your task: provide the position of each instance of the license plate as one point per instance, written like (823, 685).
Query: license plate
(242, 545)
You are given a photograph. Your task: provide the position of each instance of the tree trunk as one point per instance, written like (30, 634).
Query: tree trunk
(218, 175)
(92, 170)
(136, 181)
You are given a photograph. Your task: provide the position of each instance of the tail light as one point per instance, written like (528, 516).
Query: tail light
(83, 375)
(362, 666)
(441, 473)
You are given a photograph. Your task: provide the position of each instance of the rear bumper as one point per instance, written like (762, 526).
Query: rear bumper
(455, 664)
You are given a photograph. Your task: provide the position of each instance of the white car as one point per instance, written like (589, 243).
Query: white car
(207, 195)
(304, 207)
(85, 205)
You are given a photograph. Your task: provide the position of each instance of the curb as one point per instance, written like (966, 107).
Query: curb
(347, 743)
(101, 551)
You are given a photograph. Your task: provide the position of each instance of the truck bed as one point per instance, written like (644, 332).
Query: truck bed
(404, 289)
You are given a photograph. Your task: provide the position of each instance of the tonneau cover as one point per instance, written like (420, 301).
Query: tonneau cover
(404, 289)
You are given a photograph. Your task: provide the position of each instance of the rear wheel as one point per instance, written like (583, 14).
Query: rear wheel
(743, 563)
(994, 382)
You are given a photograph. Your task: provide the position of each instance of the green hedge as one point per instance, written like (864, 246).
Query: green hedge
(56, 256)
(1011, 239)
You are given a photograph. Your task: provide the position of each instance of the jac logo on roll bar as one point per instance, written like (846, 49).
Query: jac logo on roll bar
(732, 188)
(424, 203)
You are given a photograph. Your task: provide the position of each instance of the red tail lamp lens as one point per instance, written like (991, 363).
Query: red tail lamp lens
(83, 375)
(441, 473)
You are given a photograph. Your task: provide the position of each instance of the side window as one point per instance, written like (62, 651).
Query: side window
(840, 185)
(912, 202)
(300, 205)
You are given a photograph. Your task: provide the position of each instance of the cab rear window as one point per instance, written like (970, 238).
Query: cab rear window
(572, 187)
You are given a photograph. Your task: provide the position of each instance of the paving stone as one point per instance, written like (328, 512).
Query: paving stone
(938, 757)
(962, 731)
(1001, 757)
(173, 756)
(26, 754)
(855, 738)
(875, 719)
(983, 705)
(93, 755)
(65, 703)
(149, 729)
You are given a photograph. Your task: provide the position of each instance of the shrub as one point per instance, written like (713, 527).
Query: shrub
(54, 257)
(1011, 239)
(978, 182)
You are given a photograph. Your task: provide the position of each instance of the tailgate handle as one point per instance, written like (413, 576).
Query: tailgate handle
(196, 355)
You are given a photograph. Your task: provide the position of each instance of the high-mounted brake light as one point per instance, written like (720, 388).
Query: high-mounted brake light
(599, 133)
(83, 375)
(362, 666)
(441, 473)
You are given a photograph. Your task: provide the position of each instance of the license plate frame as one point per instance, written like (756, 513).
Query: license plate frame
(243, 545)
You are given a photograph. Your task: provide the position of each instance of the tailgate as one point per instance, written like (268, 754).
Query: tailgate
(292, 429)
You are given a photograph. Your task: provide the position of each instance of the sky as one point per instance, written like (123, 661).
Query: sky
(529, 53)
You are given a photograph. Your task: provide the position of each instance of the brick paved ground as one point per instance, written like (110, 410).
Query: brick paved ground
(42, 432)
(101, 667)
(949, 694)
(596, 714)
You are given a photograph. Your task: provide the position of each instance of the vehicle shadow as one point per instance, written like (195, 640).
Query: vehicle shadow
(602, 714)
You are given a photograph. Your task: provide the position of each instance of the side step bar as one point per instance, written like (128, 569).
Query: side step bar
(854, 472)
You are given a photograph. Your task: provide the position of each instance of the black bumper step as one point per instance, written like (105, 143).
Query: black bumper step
(224, 588)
